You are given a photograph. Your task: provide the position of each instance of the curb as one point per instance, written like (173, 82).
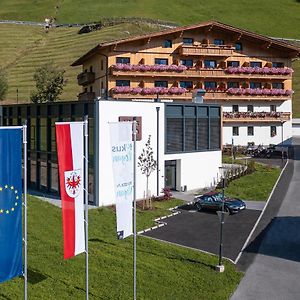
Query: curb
(159, 221)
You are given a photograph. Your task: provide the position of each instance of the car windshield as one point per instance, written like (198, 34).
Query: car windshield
(217, 197)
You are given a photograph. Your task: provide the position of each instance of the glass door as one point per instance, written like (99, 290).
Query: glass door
(170, 174)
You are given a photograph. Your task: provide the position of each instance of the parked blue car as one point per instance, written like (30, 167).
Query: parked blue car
(213, 201)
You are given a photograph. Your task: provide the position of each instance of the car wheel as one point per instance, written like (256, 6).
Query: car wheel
(226, 209)
(198, 206)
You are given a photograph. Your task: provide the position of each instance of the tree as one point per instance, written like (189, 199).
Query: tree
(147, 165)
(3, 84)
(49, 81)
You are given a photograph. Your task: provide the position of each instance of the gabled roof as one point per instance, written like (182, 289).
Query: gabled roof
(283, 46)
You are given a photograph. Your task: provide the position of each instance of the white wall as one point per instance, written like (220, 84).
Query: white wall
(195, 170)
(261, 134)
(259, 106)
(296, 126)
(198, 169)
(109, 111)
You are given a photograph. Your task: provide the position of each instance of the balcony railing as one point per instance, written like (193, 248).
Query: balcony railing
(186, 94)
(256, 117)
(207, 50)
(86, 78)
(86, 96)
(183, 71)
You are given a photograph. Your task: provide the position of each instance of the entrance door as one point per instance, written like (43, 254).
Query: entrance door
(170, 174)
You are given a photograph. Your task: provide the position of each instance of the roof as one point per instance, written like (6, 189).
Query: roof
(274, 43)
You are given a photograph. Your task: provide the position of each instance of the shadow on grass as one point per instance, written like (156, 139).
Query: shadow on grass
(178, 258)
(97, 240)
(2, 296)
(35, 277)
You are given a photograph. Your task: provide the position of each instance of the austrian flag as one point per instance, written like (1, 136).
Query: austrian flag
(70, 152)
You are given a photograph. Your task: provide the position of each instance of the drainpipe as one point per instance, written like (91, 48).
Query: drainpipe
(157, 150)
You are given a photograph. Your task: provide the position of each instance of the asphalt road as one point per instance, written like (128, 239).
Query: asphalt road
(273, 255)
(201, 230)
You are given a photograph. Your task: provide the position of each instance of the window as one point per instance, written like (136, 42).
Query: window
(161, 83)
(186, 84)
(235, 131)
(122, 60)
(122, 82)
(188, 41)
(186, 62)
(91, 89)
(91, 69)
(255, 85)
(255, 64)
(218, 42)
(277, 85)
(233, 63)
(272, 108)
(209, 85)
(250, 108)
(192, 128)
(273, 131)
(211, 64)
(168, 44)
(277, 64)
(250, 130)
(101, 66)
(235, 108)
(161, 61)
(232, 84)
(238, 46)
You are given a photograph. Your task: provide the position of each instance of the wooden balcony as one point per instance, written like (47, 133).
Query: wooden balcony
(212, 97)
(196, 73)
(85, 78)
(86, 96)
(223, 96)
(183, 97)
(255, 117)
(207, 50)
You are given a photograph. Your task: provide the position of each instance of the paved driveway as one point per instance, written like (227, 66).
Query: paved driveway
(275, 250)
(201, 230)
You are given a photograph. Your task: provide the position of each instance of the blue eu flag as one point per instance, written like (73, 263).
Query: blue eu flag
(10, 202)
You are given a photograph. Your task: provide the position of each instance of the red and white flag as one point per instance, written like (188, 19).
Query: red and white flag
(70, 152)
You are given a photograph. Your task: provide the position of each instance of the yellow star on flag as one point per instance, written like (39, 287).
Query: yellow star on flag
(11, 187)
(0, 188)
(7, 211)
(6, 186)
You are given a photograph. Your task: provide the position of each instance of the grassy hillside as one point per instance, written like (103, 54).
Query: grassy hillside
(271, 17)
(27, 47)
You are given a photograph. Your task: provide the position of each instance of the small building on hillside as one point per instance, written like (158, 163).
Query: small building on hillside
(248, 74)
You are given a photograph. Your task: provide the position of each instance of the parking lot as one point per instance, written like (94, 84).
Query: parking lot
(201, 230)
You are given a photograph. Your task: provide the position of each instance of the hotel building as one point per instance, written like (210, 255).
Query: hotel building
(248, 74)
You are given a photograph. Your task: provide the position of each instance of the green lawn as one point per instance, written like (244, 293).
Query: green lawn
(164, 271)
(255, 186)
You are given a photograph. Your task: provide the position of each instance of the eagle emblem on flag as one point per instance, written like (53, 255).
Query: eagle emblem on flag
(73, 183)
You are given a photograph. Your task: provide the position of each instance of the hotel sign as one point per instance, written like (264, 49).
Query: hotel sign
(138, 124)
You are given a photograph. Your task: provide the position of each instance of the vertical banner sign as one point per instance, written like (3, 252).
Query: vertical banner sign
(70, 148)
(10, 202)
(122, 161)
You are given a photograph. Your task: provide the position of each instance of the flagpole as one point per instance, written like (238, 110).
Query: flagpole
(86, 201)
(25, 209)
(134, 210)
